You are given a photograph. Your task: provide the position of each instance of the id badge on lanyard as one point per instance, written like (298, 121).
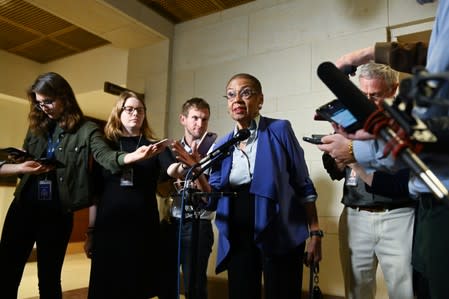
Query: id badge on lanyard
(44, 191)
(127, 178)
(352, 179)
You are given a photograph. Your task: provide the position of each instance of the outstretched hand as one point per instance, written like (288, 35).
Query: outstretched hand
(356, 58)
(27, 167)
(33, 167)
(183, 156)
(144, 152)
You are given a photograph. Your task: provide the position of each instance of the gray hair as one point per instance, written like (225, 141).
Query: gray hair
(373, 70)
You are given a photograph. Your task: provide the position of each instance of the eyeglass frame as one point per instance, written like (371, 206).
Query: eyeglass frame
(374, 96)
(45, 102)
(244, 97)
(130, 110)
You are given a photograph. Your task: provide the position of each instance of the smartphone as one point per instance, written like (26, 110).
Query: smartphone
(50, 162)
(17, 153)
(206, 142)
(314, 139)
(164, 142)
(336, 112)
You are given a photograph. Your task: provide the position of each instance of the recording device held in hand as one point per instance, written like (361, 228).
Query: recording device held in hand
(206, 142)
(399, 129)
(336, 112)
(15, 153)
(19, 155)
(314, 139)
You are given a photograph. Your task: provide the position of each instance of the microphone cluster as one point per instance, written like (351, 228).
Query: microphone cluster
(387, 126)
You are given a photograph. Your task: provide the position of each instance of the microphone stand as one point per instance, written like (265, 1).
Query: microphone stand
(195, 198)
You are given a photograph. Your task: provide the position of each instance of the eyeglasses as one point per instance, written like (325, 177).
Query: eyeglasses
(375, 96)
(45, 102)
(130, 110)
(244, 94)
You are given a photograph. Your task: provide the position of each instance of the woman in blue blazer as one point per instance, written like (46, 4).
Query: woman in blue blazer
(264, 228)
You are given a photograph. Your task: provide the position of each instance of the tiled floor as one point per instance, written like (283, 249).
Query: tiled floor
(75, 276)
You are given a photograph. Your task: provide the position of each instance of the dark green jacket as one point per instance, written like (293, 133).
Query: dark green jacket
(74, 181)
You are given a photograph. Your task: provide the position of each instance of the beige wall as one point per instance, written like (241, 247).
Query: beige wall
(279, 41)
(86, 73)
(13, 126)
(282, 43)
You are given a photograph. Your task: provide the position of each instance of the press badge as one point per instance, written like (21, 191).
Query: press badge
(352, 179)
(127, 177)
(44, 191)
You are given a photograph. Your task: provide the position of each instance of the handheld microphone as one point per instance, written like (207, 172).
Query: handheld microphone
(362, 108)
(224, 148)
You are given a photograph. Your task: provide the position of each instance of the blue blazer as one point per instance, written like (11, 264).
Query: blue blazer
(281, 184)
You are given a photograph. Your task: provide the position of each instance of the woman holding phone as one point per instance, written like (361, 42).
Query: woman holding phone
(124, 224)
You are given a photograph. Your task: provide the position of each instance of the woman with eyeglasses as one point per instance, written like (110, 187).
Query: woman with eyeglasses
(42, 210)
(124, 225)
(264, 228)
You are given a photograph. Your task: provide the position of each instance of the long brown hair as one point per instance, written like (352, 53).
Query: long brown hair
(55, 87)
(114, 128)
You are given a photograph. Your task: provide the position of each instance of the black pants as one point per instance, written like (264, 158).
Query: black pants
(431, 248)
(282, 273)
(24, 225)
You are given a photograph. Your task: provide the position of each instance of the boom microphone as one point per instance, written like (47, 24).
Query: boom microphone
(362, 108)
(349, 94)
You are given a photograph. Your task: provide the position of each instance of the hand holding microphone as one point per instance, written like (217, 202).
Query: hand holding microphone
(359, 105)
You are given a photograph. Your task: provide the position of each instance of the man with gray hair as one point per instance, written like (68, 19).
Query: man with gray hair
(376, 227)
(378, 81)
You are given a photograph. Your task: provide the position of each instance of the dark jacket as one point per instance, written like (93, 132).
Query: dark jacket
(281, 185)
(74, 150)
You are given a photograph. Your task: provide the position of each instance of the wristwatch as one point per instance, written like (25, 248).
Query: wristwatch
(318, 233)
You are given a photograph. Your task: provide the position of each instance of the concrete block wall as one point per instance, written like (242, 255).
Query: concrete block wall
(282, 43)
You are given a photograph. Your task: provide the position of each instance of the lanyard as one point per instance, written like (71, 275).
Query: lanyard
(52, 146)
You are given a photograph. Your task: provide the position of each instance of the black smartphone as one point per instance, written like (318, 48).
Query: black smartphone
(336, 112)
(314, 139)
(206, 142)
(51, 162)
(16, 153)
(164, 142)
